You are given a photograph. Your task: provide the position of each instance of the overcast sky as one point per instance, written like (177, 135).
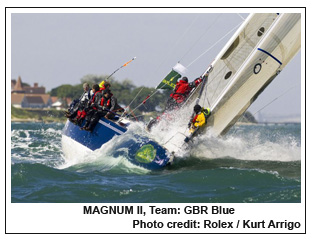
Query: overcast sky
(60, 48)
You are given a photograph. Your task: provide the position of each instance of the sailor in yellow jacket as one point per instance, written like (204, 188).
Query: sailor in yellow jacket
(200, 119)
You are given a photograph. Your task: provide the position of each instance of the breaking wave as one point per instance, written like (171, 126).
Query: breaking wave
(45, 144)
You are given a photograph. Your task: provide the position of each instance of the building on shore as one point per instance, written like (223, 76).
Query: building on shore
(25, 96)
(59, 104)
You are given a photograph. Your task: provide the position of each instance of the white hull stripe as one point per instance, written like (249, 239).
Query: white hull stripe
(111, 127)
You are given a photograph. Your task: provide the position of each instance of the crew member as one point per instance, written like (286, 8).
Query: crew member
(79, 104)
(198, 121)
(104, 85)
(109, 105)
(180, 94)
(182, 90)
(93, 111)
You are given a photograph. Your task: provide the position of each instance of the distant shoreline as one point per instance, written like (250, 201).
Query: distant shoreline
(37, 115)
(29, 120)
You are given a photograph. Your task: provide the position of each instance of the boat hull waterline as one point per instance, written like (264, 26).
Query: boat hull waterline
(141, 151)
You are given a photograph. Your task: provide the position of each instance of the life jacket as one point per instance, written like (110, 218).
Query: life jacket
(108, 103)
(93, 97)
(206, 112)
(181, 91)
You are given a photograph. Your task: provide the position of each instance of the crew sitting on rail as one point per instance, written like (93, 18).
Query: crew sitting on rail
(198, 121)
(109, 104)
(92, 112)
(78, 105)
(81, 113)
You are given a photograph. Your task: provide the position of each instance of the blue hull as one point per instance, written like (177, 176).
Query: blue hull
(103, 132)
(142, 151)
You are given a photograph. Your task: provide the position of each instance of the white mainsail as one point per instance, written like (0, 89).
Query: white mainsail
(253, 57)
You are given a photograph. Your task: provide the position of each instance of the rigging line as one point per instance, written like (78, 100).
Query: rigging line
(214, 44)
(135, 117)
(176, 43)
(188, 29)
(201, 37)
(276, 98)
(174, 136)
(133, 100)
(191, 48)
(241, 16)
(150, 95)
(197, 57)
(235, 126)
(167, 56)
(146, 100)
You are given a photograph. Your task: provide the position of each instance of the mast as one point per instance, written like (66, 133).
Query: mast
(205, 78)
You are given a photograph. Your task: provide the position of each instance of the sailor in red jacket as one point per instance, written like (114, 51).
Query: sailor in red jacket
(182, 90)
(180, 94)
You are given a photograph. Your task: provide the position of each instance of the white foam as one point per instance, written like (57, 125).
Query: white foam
(171, 135)
(85, 160)
(246, 148)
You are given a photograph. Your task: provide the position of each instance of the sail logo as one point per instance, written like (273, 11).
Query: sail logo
(169, 83)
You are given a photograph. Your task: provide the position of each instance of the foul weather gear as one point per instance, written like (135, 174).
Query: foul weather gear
(181, 93)
(199, 120)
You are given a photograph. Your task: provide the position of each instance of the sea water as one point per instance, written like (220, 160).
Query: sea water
(251, 164)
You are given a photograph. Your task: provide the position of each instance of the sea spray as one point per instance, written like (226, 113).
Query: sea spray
(250, 145)
(110, 155)
(195, 176)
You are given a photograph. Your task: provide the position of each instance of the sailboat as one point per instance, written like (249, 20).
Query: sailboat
(258, 51)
